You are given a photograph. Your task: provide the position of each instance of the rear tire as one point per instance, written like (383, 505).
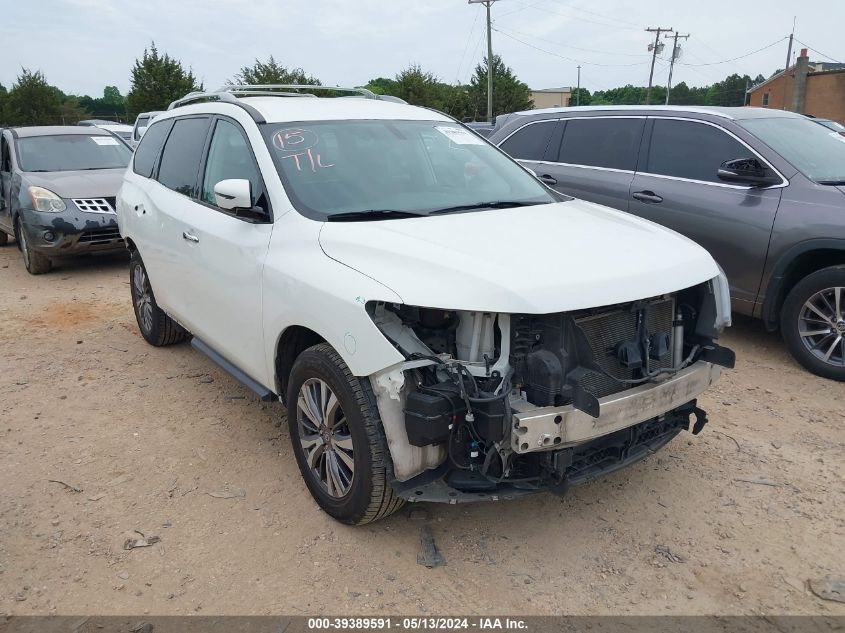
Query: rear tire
(813, 322)
(338, 438)
(35, 262)
(156, 327)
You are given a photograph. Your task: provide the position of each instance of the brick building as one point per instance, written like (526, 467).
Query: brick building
(816, 88)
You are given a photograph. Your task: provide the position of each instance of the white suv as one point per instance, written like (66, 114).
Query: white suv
(440, 325)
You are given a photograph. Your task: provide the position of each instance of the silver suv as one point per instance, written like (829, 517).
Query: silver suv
(761, 189)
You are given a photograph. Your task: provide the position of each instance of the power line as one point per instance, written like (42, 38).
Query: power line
(566, 15)
(577, 48)
(818, 52)
(635, 27)
(733, 59)
(466, 47)
(569, 59)
(523, 8)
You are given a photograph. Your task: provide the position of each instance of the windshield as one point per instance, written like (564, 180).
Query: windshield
(404, 167)
(70, 152)
(812, 149)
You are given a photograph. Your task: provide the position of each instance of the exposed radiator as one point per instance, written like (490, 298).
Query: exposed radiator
(605, 331)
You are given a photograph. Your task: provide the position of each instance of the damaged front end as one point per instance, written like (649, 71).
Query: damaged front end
(495, 406)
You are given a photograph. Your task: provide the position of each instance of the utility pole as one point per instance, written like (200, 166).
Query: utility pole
(789, 50)
(654, 48)
(488, 4)
(788, 62)
(676, 52)
(578, 94)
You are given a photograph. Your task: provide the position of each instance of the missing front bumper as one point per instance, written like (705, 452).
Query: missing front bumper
(551, 428)
(567, 466)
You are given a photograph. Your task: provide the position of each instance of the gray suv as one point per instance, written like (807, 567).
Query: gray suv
(763, 190)
(58, 186)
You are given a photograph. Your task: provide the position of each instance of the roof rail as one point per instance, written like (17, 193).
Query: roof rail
(271, 90)
(231, 93)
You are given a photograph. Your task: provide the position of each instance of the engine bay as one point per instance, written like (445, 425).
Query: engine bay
(494, 394)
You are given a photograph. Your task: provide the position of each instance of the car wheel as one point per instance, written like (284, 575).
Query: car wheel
(813, 322)
(156, 327)
(338, 438)
(35, 262)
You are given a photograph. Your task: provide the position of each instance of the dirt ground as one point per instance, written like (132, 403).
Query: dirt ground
(734, 521)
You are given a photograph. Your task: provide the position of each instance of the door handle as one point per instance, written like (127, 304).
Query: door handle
(549, 180)
(190, 238)
(647, 196)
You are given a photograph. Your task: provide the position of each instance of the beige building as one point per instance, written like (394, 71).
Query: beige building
(551, 98)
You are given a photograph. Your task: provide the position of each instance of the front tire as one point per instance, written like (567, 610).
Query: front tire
(338, 438)
(156, 327)
(35, 262)
(813, 322)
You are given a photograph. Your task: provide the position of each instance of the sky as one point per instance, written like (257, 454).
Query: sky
(84, 45)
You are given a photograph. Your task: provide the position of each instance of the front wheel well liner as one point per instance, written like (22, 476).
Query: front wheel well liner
(293, 341)
(794, 269)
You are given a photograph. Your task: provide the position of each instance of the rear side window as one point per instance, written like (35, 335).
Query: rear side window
(609, 143)
(181, 157)
(531, 141)
(149, 148)
(685, 149)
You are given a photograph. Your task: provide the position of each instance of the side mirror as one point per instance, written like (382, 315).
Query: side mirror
(747, 171)
(235, 195)
(141, 130)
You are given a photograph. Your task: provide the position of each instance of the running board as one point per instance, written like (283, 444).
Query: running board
(265, 394)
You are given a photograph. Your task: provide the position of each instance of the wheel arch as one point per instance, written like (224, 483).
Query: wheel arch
(294, 340)
(130, 245)
(799, 261)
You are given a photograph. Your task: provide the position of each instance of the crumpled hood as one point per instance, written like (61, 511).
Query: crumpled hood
(540, 259)
(100, 183)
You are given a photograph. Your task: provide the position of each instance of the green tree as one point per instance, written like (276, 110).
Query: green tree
(382, 86)
(4, 95)
(680, 95)
(729, 92)
(111, 105)
(157, 80)
(509, 94)
(422, 88)
(32, 101)
(418, 87)
(580, 96)
(272, 72)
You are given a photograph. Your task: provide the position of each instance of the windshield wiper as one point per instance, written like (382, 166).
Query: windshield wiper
(833, 183)
(497, 204)
(373, 214)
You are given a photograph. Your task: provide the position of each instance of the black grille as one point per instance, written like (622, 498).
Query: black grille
(605, 331)
(112, 201)
(100, 236)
